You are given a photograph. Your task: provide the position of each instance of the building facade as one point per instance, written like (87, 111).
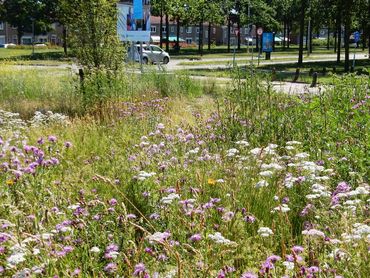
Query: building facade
(9, 34)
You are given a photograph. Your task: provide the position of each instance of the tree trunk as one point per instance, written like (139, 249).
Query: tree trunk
(228, 34)
(161, 30)
(178, 35)
(65, 41)
(19, 35)
(347, 32)
(301, 32)
(339, 35)
(328, 42)
(368, 30)
(238, 34)
(200, 38)
(284, 34)
(209, 35)
(288, 35)
(167, 33)
(311, 28)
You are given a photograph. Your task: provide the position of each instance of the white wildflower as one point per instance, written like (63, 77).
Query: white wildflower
(16, 258)
(313, 233)
(168, 199)
(282, 208)
(95, 249)
(267, 174)
(262, 183)
(218, 238)
(232, 152)
(243, 143)
(265, 232)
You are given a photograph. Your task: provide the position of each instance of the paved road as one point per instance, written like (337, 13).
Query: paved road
(286, 87)
(223, 63)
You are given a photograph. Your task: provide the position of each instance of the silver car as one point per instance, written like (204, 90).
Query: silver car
(151, 54)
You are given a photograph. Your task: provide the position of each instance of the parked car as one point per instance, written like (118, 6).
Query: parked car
(6, 45)
(151, 54)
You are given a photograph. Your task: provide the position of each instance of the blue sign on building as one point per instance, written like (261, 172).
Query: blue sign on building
(267, 42)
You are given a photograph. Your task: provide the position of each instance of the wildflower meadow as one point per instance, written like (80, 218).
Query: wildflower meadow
(174, 178)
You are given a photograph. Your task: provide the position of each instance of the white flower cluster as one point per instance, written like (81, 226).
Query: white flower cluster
(168, 199)
(49, 118)
(242, 143)
(282, 208)
(360, 231)
(10, 121)
(318, 191)
(219, 239)
(313, 233)
(144, 175)
(265, 232)
(231, 152)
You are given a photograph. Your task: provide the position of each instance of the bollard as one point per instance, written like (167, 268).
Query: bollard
(324, 71)
(296, 76)
(310, 72)
(82, 79)
(314, 80)
(273, 74)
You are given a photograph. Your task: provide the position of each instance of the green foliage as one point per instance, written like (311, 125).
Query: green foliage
(92, 31)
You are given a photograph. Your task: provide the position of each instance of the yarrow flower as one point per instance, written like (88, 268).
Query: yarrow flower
(313, 233)
(218, 238)
(158, 237)
(265, 232)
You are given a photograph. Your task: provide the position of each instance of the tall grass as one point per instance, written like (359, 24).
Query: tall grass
(336, 120)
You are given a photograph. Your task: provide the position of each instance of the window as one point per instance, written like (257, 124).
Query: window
(189, 40)
(155, 48)
(1, 25)
(206, 35)
(197, 30)
(189, 30)
(26, 40)
(2, 39)
(163, 29)
(153, 29)
(214, 31)
(15, 39)
(172, 29)
(181, 29)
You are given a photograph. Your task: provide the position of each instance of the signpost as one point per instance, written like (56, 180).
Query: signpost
(267, 44)
(133, 23)
(236, 31)
(357, 37)
(259, 33)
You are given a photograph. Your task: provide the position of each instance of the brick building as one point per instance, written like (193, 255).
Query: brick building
(190, 33)
(9, 34)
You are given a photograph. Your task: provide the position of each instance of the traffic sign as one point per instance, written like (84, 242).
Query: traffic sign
(259, 31)
(357, 36)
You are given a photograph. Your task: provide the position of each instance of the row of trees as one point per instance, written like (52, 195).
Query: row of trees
(301, 17)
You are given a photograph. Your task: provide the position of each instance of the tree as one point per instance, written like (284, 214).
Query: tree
(93, 33)
(24, 15)
(301, 30)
